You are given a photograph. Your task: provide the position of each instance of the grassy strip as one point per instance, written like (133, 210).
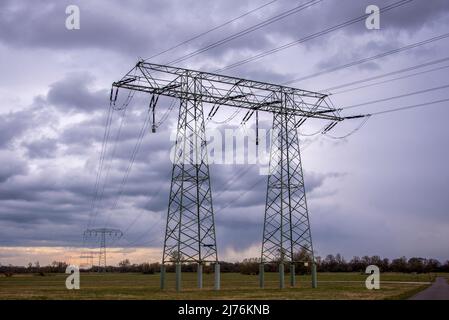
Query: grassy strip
(234, 286)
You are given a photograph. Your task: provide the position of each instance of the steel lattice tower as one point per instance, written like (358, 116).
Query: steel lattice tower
(89, 258)
(286, 231)
(102, 233)
(190, 229)
(102, 254)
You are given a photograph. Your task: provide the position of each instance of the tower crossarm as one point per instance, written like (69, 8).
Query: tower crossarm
(226, 90)
(106, 231)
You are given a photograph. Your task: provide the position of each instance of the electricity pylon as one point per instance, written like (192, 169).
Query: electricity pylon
(102, 233)
(286, 232)
(89, 259)
(190, 229)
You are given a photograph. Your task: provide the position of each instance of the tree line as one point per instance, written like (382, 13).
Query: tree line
(330, 263)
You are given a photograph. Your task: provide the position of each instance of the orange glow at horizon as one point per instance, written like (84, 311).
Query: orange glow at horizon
(21, 256)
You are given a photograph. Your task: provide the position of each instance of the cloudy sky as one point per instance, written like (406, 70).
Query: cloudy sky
(381, 190)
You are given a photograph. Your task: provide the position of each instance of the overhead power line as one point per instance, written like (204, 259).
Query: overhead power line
(396, 97)
(364, 60)
(100, 164)
(114, 150)
(112, 107)
(310, 37)
(391, 80)
(413, 106)
(360, 126)
(247, 30)
(166, 113)
(392, 110)
(132, 159)
(418, 66)
(211, 30)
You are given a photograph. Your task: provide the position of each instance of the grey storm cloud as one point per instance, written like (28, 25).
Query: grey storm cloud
(73, 93)
(12, 125)
(42, 148)
(11, 166)
(51, 135)
(41, 23)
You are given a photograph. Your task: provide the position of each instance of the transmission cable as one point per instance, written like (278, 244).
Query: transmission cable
(100, 165)
(381, 55)
(142, 132)
(247, 30)
(211, 30)
(114, 149)
(391, 80)
(311, 134)
(396, 97)
(310, 37)
(166, 113)
(410, 107)
(360, 126)
(366, 118)
(426, 64)
(227, 120)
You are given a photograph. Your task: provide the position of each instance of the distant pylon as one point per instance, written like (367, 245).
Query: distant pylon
(88, 257)
(286, 234)
(102, 233)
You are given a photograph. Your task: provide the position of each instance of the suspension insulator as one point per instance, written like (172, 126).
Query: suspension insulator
(257, 128)
(116, 94)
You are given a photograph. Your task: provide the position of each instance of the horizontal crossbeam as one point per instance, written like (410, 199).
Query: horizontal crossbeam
(225, 90)
(106, 231)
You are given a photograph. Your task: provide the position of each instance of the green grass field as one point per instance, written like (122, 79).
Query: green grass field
(233, 286)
